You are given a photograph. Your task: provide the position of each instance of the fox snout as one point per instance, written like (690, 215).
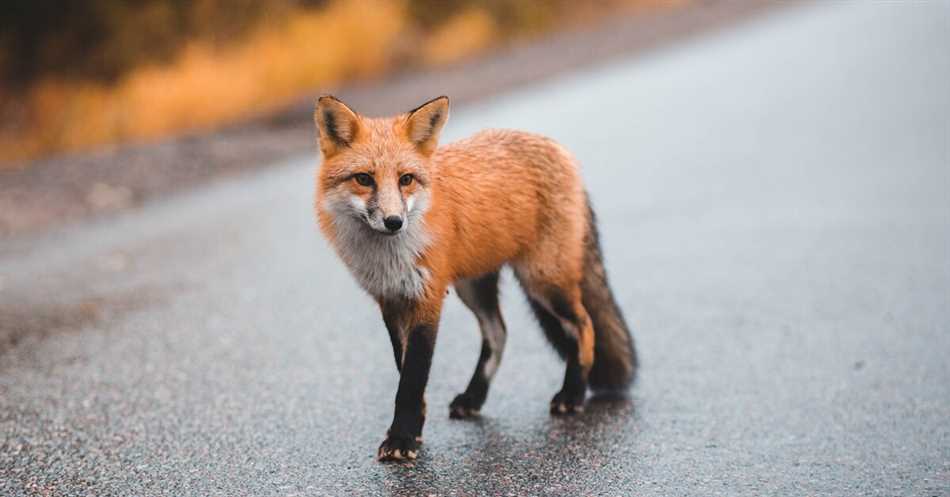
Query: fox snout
(392, 223)
(387, 211)
(384, 211)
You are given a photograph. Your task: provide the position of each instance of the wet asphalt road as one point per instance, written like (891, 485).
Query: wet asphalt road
(776, 218)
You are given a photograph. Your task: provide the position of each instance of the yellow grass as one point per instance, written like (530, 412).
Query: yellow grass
(205, 86)
(466, 33)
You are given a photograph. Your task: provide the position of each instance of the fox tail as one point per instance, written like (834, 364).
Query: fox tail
(615, 357)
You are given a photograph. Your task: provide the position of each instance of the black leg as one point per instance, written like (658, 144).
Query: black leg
(391, 315)
(570, 399)
(469, 403)
(405, 433)
(481, 296)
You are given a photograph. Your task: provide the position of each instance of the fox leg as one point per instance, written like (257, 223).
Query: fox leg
(481, 296)
(417, 326)
(396, 338)
(568, 327)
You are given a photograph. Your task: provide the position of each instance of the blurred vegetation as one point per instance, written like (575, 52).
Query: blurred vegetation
(75, 73)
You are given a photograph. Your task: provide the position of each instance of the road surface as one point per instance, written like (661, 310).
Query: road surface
(776, 220)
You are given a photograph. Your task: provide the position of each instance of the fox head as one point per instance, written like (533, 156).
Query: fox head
(376, 170)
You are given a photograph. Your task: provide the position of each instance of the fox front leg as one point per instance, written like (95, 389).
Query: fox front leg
(417, 344)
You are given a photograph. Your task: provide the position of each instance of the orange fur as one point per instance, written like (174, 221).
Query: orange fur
(410, 219)
(498, 197)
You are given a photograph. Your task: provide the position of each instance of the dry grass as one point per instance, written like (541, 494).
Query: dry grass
(468, 32)
(206, 86)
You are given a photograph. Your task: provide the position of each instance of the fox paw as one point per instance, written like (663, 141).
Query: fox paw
(464, 406)
(399, 448)
(565, 405)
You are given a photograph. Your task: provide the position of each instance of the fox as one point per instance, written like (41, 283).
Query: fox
(410, 219)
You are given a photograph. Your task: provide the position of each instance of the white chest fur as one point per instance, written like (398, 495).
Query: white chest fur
(385, 266)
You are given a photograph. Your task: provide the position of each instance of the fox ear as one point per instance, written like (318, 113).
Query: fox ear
(337, 125)
(424, 123)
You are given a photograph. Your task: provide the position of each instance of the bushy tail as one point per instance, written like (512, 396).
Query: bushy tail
(615, 357)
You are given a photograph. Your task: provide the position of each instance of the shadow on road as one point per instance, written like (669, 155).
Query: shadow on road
(575, 447)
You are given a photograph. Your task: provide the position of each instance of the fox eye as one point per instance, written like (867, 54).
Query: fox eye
(363, 179)
(405, 179)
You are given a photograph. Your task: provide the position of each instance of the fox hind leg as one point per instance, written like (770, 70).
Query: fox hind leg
(566, 324)
(480, 295)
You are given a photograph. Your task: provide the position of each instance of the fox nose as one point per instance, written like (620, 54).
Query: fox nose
(393, 223)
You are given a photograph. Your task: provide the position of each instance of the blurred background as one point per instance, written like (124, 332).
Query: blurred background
(107, 103)
(77, 75)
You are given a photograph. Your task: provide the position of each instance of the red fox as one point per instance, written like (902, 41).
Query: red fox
(409, 219)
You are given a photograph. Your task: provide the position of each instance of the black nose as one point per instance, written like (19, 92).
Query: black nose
(393, 223)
